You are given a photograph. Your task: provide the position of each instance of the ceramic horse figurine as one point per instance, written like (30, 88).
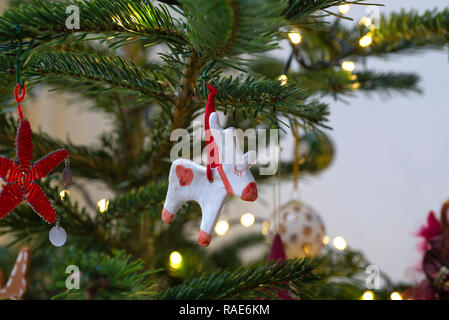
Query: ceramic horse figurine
(189, 181)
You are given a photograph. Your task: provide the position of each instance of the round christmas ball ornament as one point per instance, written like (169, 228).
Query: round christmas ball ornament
(317, 151)
(301, 228)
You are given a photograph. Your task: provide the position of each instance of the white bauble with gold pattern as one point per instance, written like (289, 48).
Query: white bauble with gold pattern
(301, 228)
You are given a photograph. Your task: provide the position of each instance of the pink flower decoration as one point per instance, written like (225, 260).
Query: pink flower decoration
(432, 229)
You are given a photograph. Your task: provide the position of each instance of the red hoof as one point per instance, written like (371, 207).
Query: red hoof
(167, 217)
(204, 238)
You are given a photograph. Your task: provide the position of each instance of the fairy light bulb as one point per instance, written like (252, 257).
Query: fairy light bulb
(325, 240)
(355, 85)
(175, 260)
(365, 41)
(344, 8)
(103, 205)
(295, 37)
(348, 66)
(368, 295)
(396, 296)
(265, 227)
(221, 227)
(247, 220)
(339, 243)
(64, 194)
(283, 79)
(366, 21)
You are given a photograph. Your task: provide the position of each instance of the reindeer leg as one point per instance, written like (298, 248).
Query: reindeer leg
(210, 212)
(171, 206)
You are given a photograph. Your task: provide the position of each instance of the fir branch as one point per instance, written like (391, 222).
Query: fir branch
(137, 200)
(336, 82)
(410, 30)
(396, 33)
(301, 9)
(246, 281)
(228, 28)
(342, 276)
(268, 99)
(387, 82)
(111, 72)
(104, 276)
(46, 20)
(227, 255)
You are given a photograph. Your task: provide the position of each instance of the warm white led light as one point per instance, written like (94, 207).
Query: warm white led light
(339, 243)
(368, 295)
(175, 260)
(247, 220)
(395, 296)
(295, 37)
(366, 21)
(348, 66)
(103, 205)
(344, 8)
(283, 79)
(221, 227)
(64, 194)
(365, 41)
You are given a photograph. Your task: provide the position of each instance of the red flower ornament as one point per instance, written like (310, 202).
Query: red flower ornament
(21, 176)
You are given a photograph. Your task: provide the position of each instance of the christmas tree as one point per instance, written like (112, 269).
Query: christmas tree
(145, 65)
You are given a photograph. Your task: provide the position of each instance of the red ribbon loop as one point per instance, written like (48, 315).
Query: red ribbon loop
(20, 98)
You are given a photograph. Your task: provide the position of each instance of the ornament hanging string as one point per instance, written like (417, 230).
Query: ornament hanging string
(297, 160)
(19, 98)
(20, 89)
(277, 194)
(18, 60)
(211, 149)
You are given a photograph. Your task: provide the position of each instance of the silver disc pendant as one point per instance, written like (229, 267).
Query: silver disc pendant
(57, 236)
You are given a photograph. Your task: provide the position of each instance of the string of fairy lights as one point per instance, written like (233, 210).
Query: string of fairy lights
(248, 219)
(365, 41)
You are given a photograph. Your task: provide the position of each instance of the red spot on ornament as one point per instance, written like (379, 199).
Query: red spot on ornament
(185, 175)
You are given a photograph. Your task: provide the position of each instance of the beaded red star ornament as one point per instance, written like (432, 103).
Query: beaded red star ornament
(21, 176)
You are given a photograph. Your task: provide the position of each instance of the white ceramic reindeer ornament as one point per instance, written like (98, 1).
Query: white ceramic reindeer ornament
(188, 181)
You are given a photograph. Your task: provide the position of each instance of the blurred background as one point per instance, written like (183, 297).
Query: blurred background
(390, 164)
